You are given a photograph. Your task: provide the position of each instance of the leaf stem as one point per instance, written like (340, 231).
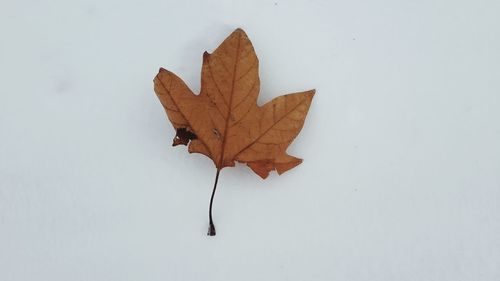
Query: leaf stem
(211, 227)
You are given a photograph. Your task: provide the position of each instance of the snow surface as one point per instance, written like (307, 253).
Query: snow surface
(401, 171)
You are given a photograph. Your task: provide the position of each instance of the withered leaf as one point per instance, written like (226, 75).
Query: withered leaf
(224, 121)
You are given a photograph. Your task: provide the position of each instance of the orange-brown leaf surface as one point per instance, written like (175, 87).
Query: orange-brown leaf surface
(224, 121)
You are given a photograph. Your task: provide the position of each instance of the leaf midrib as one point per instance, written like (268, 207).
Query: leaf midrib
(229, 111)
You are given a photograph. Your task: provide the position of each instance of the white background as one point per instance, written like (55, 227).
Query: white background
(401, 148)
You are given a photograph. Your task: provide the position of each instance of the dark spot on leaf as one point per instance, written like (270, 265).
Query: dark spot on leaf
(216, 133)
(183, 136)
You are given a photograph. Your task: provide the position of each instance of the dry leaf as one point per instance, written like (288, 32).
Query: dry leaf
(224, 121)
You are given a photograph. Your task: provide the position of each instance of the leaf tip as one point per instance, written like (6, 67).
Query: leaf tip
(311, 93)
(205, 56)
(283, 167)
(239, 30)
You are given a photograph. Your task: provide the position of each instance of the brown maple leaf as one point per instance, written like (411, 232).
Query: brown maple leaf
(224, 121)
